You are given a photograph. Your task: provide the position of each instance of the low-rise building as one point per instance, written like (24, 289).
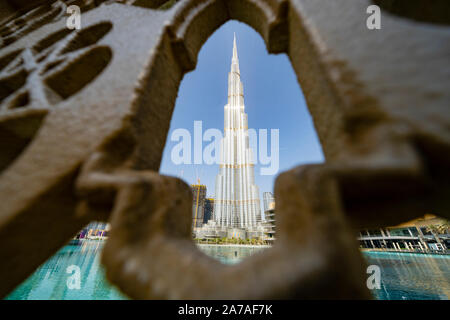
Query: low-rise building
(420, 235)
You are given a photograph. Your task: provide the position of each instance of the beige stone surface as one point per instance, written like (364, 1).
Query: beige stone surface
(84, 116)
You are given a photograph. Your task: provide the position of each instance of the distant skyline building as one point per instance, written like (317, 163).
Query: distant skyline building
(269, 201)
(269, 215)
(237, 203)
(198, 204)
(208, 210)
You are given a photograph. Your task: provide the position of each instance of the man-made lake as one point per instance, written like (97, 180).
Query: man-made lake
(404, 276)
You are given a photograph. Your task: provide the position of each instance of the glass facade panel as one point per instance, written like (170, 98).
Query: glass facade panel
(375, 233)
(399, 232)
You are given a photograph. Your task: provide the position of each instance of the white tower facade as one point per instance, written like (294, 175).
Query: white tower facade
(237, 197)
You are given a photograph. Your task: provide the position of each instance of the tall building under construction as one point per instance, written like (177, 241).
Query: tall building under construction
(198, 204)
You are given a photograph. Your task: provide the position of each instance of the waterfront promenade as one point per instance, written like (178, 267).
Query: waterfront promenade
(433, 252)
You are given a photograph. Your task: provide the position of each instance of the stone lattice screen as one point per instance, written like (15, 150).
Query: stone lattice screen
(84, 116)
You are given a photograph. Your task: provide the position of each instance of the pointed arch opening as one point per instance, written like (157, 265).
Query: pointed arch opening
(280, 132)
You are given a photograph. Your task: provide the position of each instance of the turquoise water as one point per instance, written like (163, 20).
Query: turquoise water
(49, 280)
(411, 276)
(403, 276)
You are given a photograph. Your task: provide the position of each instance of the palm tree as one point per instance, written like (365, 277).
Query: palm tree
(444, 227)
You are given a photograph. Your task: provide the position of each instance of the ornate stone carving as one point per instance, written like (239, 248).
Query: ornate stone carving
(380, 106)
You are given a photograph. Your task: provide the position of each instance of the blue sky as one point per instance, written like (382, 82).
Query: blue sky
(272, 96)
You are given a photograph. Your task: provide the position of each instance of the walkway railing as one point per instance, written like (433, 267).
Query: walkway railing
(429, 251)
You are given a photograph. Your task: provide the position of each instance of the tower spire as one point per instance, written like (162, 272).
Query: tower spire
(235, 59)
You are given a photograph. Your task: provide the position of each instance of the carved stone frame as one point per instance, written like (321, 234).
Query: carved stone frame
(381, 121)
